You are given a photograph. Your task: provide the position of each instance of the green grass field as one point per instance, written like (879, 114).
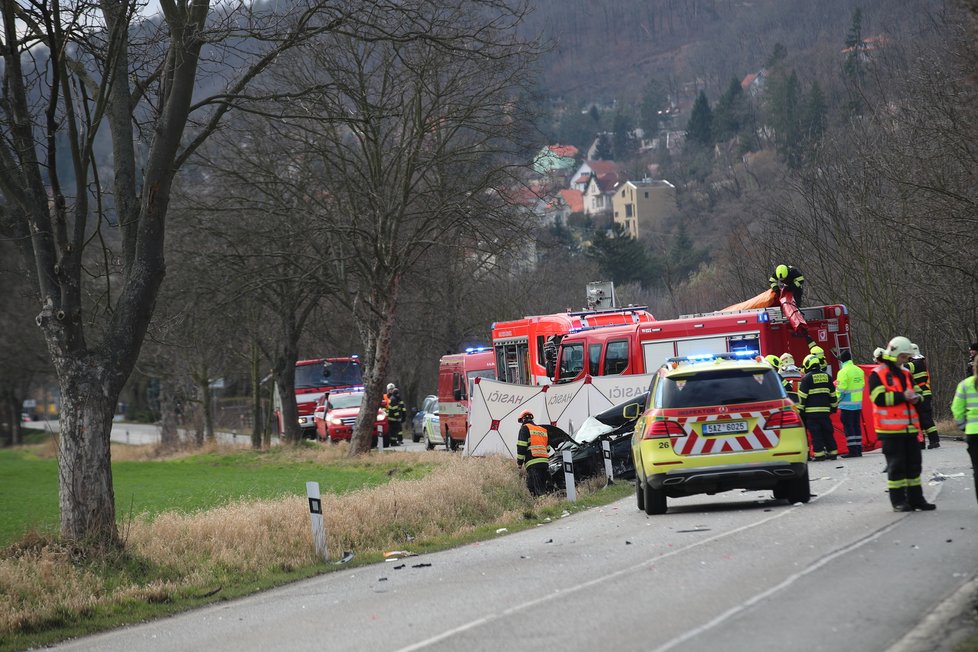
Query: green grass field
(29, 484)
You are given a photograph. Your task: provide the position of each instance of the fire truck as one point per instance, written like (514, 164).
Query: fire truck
(456, 378)
(520, 345)
(313, 380)
(643, 347)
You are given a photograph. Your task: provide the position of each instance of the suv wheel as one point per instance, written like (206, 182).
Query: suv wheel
(415, 436)
(639, 493)
(428, 444)
(797, 490)
(655, 500)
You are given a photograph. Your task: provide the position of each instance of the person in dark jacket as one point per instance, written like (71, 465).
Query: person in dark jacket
(395, 418)
(786, 277)
(972, 352)
(532, 454)
(817, 400)
(921, 380)
(895, 420)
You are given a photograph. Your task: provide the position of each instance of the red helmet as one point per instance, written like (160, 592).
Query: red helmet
(525, 416)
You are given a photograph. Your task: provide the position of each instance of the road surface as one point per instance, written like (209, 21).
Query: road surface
(736, 571)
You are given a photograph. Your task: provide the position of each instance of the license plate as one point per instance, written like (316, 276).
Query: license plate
(724, 427)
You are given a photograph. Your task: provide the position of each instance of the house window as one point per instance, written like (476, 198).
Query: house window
(646, 194)
(628, 210)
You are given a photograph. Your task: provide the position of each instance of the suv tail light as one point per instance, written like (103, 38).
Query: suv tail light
(663, 429)
(783, 419)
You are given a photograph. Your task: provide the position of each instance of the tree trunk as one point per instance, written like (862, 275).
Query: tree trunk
(376, 361)
(169, 434)
(207, 403)
(284, 373)
(85, 493)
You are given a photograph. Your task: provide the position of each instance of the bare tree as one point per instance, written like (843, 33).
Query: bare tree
(72, 71)
(411, 126)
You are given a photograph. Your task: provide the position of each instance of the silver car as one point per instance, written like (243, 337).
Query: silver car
(428, 406)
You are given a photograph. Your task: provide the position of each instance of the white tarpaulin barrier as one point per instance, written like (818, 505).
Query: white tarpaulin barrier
(495, 406)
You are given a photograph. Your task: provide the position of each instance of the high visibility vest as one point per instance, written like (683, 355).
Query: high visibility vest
(964, 407)
(851, 381)
(538, 441)
(899, 418)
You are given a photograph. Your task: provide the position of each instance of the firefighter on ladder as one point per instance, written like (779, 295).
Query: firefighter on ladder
(894, 397)
(532, 455)
(786, 277)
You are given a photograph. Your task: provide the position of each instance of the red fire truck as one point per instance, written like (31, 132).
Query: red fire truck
(456, 378)
(313, 380)
(519, 345)
(643, 347)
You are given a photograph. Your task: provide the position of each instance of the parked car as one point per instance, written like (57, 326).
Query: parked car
(428, 406)
(431, 427)
(336, 414)
(717, 424)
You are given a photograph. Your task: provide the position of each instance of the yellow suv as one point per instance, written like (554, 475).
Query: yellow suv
(715, 423)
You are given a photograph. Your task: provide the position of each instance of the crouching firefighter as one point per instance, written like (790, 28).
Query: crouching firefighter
(891, 389)
(532, 455)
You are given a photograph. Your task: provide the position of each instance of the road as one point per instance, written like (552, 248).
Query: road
(731, 572)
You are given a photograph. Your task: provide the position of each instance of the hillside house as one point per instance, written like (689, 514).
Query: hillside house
(606, 171)
(555, 159)
(753, 84)
(642, 206)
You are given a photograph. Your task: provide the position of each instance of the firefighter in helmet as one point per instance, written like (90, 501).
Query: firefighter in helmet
(817, 400)
(895, 400)
(921, 379)
(789, 278)
(532, 454)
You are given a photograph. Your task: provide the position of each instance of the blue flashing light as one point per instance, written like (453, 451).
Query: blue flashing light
(355, 356)
(746, 353)
(701, 356)
(763, 316)
(476, 349)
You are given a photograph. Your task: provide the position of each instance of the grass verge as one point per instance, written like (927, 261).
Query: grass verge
(176, 558)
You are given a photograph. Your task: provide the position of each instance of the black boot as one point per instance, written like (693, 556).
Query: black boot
(898, 498)
(915, 498)
(854, 451)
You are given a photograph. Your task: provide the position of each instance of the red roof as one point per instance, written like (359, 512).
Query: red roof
(568, 151)
(601, 168)
(574, 199)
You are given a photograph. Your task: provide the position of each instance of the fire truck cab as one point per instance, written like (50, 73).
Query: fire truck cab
(456, 378)
(520, 345)
(313, 380)
(644, 347)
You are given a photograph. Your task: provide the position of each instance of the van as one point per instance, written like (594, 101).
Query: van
(456, 379)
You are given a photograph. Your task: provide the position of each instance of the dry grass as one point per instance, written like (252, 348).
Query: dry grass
(45, 585)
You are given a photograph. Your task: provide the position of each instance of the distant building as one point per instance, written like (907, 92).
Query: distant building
(555, 159)
(753, 84)
(641, 206)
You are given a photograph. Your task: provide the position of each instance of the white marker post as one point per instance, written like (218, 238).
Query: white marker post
(568, 457)
(316, 516)
(608, 469)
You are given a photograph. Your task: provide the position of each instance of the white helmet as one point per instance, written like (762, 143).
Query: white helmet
(390, 386)
(787, 360)
(916, 351)
(898, 345)
(878, 353)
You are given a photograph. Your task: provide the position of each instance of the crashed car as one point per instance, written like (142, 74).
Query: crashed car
(614, 425)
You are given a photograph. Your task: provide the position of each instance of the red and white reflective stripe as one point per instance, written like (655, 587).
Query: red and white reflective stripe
(695, 444)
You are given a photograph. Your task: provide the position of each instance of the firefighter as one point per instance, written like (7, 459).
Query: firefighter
(878, 354)
(972, 352)
(817, 400)
(775, 361)
(850, 382)
(964, 409)
(921, 379)
(395, 417)
(532, 454)
(786, 277)
(895, 420)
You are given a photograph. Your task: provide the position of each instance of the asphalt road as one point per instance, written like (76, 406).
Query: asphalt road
(736, 571)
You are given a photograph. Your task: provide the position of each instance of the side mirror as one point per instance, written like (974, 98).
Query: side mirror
(631, 411)
(551, 368)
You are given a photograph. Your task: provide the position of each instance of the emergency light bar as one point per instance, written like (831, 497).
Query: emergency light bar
(706, 357)
(476, 349)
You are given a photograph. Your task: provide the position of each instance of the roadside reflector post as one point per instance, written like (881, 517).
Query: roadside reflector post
(568, 457)
(316, 517)
(609, 471)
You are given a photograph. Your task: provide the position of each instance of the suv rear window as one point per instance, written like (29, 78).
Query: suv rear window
(720, 387)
